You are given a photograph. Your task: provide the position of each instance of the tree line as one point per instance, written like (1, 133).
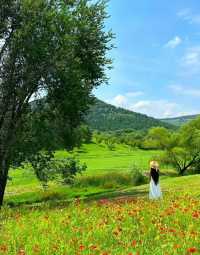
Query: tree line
(180, 148)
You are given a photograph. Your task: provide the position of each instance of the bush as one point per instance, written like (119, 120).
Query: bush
(109, 180)
(137, 176)
(47, 168)
(113, 179)
(69, 168)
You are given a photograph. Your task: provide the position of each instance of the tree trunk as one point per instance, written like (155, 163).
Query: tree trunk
(3, 179)
(187, 166)
(183, 171)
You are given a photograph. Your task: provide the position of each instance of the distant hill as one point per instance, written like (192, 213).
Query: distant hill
(178, 121)
(106, 117)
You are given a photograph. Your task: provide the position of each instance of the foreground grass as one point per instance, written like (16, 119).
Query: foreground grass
(127, 225)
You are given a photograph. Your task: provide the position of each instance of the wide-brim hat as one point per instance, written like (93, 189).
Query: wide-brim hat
(154, 164)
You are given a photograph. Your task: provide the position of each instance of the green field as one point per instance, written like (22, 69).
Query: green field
(101, 220)
(100, 159)
(25, 188)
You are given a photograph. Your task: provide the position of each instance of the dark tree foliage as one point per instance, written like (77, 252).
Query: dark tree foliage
(55, 47)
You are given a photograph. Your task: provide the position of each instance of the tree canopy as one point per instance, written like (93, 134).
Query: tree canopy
(57, 48)
(181, 148)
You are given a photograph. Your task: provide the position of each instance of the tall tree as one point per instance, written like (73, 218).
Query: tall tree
(56, 47)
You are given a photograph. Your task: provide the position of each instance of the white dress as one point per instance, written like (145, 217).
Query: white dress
(154, 191)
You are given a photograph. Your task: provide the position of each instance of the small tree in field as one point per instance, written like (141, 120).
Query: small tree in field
(109, 141)
(181, 149)
(63, 171)
(158, 138)
(186, 153)
(54, 47)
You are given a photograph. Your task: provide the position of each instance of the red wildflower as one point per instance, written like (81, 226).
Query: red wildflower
(195, 215)
(81, 247)
(134, 243)
(192, 250)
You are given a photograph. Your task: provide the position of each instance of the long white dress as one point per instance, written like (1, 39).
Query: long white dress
(154, 190)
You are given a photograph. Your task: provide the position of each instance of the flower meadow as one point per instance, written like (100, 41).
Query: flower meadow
(123, 226)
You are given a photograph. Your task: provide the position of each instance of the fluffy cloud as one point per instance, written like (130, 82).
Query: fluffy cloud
(173, 43)
(189, 16)
(178, 89)
(124, 100)
(192, 56)
(119, 100)
(190, 62)
(157, 108)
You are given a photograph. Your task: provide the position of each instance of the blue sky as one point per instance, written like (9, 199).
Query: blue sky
(156, 68)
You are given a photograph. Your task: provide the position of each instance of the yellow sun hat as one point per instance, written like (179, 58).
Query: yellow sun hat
(154, 164)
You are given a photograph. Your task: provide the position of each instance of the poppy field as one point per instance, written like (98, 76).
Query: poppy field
(122, 226)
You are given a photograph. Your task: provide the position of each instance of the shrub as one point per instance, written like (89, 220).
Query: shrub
(69, 168)
(113, 179)
(108, 180)
(137, 176)
(46, 169)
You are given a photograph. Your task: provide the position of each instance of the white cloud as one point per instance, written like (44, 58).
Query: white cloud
(191, 60)
(192, 57)
(173, 43)
(185, 91)
(124, 100)
(119, 100)
(189, 16)
(156, 108)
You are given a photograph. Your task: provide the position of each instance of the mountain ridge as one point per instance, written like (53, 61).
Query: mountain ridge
(180, 120)
(106, 117)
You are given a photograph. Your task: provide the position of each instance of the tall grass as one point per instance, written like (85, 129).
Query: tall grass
(112, 179)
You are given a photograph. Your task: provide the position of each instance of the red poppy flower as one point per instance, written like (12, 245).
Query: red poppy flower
(134, 243)
(81, 247)
(192, 250)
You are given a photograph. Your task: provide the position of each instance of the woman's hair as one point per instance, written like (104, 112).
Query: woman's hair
(155, 175)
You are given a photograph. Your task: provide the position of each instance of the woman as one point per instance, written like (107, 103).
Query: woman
(154, 192)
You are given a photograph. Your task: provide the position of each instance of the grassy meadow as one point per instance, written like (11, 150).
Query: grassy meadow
(106, 171)
(100, 219)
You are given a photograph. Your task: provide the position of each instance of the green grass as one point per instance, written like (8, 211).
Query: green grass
(126, 224)
(106, 171)
(100, 159)
(111, 217)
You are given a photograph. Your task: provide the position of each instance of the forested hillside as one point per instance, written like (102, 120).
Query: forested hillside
(178, 121)
(106, 117)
